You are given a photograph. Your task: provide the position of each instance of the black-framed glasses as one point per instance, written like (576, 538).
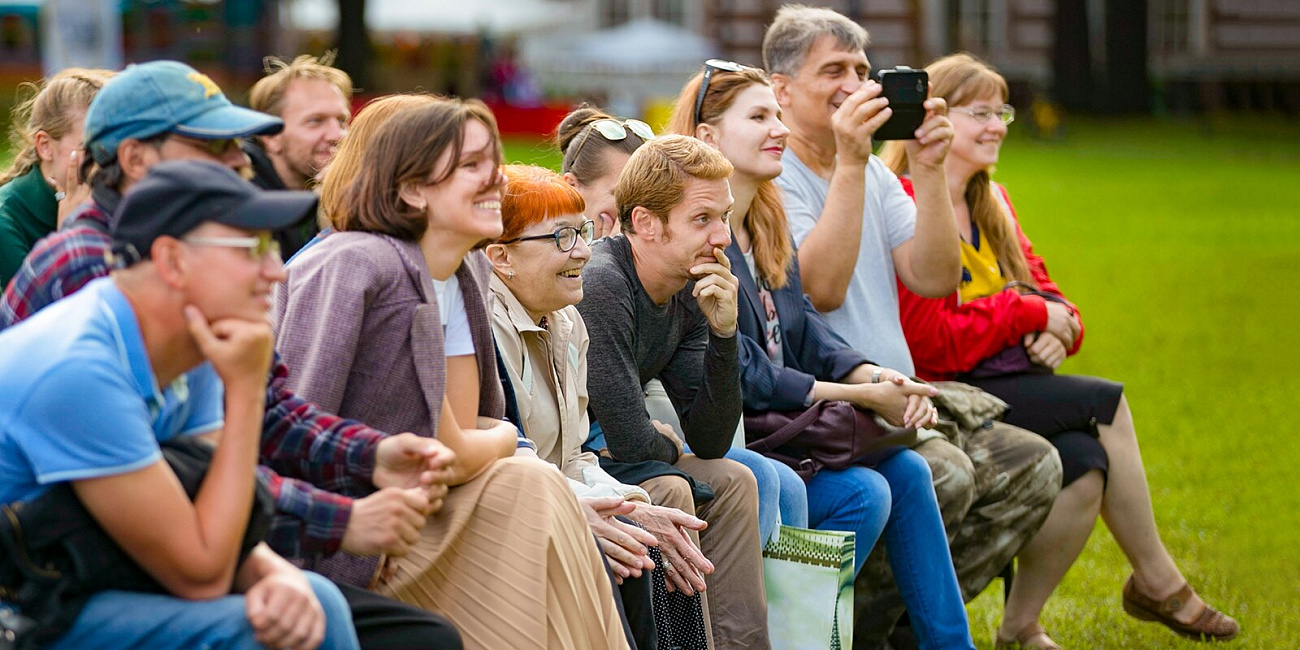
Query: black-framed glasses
(566, 237)
(615, 130)
(1005, 113)
(710, 67)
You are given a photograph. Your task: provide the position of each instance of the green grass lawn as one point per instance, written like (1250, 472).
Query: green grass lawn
(1181, 244)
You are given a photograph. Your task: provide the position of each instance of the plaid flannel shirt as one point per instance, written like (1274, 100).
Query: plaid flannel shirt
(300, 444)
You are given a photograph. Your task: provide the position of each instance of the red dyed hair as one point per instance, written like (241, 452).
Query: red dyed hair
(533, 195)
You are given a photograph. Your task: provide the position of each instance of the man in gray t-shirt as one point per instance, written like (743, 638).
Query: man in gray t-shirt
(858, 235)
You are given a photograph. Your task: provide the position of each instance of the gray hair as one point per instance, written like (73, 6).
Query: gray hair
(796, 29)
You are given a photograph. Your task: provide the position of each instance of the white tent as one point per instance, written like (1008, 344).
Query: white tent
(631, 63)
(441, 16)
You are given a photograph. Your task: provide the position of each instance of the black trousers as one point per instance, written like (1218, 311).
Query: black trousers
(635, 605)
(386, 624)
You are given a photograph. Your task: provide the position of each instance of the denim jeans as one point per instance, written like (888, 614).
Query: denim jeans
(896, 501)
(120, 619)
(779, 490)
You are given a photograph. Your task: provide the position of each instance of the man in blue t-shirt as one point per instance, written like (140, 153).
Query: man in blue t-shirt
(175, 343)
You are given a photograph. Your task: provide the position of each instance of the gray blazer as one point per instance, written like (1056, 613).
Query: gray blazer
(357, 322)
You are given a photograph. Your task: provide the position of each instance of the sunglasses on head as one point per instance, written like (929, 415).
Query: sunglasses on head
(711, 66)
(614, 130)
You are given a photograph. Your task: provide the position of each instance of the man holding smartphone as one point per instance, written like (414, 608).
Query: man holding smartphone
(858, 234)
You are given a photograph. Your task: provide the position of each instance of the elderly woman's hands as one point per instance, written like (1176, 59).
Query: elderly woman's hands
(624, 545)
(684, 565)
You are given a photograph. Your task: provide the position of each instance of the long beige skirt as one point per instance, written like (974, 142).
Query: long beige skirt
(511, 561)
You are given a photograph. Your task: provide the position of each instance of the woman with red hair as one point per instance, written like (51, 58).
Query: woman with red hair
(537, 281)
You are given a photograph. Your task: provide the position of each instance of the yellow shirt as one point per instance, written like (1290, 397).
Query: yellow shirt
(980, 273)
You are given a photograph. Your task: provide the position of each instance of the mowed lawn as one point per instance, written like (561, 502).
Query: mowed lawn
(1180, 242)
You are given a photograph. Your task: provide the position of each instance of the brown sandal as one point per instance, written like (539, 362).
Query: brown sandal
(1027, 639)
(1210, 625)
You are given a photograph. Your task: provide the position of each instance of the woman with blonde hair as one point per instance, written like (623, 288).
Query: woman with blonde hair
(1006, 330)
(790, 358)
(386, 321)
(41, 187)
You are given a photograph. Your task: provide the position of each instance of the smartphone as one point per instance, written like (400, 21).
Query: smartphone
(906, 89)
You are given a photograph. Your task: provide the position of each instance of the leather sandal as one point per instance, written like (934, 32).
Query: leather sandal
(1033, 637)
(1209, 625)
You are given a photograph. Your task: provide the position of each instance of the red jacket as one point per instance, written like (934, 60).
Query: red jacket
(947, 339)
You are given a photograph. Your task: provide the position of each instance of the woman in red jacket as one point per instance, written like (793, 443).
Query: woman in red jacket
(1006, 330)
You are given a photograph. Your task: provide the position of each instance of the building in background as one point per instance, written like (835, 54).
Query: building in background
(1088, 55)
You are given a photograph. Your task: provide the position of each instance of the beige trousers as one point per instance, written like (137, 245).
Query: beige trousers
(511, 561)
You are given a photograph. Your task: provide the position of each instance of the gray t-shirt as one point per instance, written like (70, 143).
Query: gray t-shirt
(633, 340)
(868, 319)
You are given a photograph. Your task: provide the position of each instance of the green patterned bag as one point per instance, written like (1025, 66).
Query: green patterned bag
(809, 579)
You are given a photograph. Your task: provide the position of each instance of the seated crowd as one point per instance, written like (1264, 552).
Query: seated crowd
(403, 428)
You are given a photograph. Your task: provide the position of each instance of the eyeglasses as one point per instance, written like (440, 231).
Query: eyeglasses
(216, 148)
(259, 247)
(1005, 112)
(710, 67)
(614, 130)
(566, 237)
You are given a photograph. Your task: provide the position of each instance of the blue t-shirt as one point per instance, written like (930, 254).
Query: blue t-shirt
(78, 398)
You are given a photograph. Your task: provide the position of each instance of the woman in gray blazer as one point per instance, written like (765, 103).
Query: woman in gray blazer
(386, 321)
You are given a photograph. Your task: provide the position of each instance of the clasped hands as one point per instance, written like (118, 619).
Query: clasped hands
(1049, 347)
(412, 474)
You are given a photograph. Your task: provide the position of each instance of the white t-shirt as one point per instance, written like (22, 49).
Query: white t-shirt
(868, 319)
(455, 324)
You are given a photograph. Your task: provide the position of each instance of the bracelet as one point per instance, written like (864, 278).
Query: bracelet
(875, 376)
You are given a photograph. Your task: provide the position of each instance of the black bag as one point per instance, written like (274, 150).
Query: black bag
(54, 556)
(829, 434)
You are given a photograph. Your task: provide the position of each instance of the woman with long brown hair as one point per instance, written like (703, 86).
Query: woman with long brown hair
(791, 358)
(386, 321)
(1006, 330)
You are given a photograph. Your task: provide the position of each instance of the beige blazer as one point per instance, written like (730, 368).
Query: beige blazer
(548, 369)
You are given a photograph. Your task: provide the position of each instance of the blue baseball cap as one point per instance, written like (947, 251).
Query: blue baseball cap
(157, 97)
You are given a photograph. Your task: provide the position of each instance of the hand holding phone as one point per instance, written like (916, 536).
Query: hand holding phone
(906, 89)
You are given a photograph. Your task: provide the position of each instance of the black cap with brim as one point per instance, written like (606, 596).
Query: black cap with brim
(178, 196)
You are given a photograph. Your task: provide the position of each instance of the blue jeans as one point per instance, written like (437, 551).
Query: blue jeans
(896, 500)
(122, 619)
(779, 490)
